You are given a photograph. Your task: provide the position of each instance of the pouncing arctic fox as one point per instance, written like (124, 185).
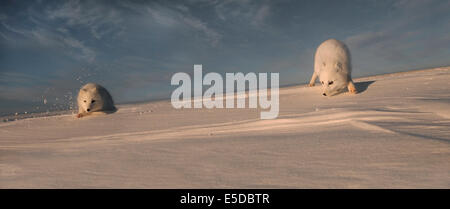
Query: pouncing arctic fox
(332, 64)
(94, 98)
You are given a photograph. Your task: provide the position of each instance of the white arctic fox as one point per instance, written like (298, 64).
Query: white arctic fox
(94, 98)
(332, 63)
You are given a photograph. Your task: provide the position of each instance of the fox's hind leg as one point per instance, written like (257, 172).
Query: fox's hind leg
(351, 87)
(313, 79)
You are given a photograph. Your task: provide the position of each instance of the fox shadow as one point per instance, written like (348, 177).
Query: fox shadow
(363, 86)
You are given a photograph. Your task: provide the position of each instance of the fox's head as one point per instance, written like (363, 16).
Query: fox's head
(333, 81)
(89, 99)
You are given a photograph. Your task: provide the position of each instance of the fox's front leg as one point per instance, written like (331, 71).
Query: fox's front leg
(351, 87)
(82, 114)
(313, 79)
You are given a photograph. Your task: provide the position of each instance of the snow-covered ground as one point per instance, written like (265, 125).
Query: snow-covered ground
(394, 134)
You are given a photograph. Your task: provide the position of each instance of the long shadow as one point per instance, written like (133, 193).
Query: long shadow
(362, 86)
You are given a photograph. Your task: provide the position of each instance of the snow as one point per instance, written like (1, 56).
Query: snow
(395, 133)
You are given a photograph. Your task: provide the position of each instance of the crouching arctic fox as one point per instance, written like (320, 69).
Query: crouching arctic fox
(332, 64)
(93, 99)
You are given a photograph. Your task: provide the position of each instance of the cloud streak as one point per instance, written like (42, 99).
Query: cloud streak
(100, 19)
(52, 39)
(179, 16)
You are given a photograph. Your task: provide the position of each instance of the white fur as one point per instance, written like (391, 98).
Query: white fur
(332, 64)
(93, 98)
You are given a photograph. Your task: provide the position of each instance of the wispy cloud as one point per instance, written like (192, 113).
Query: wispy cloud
(163, 16)
(180, 16)
(87, 53)
(100, 19)
(177, 17)
(261, 14)
(253, 13)
(53, 39)
(213, 36)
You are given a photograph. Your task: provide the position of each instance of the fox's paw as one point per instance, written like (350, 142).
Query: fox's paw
(311, 84)
(79, 115)
(352, 90)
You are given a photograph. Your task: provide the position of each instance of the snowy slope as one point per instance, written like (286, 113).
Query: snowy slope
(394, 134)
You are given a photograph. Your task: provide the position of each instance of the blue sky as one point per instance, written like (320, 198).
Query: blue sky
(48, 49)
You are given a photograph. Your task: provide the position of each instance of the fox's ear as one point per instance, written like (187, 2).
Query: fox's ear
(338, 66)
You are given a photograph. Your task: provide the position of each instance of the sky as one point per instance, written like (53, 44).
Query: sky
(49, 49)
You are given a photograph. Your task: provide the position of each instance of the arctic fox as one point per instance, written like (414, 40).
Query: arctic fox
(94, 98)
(332, 64)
